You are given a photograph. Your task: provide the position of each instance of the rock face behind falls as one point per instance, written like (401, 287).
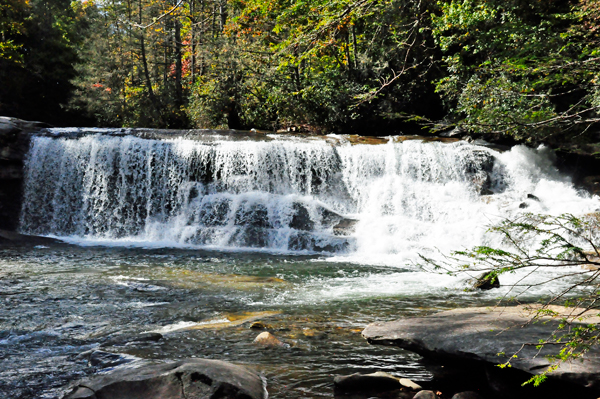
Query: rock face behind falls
(480, 334)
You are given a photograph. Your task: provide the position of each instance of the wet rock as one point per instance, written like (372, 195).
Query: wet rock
(301, 218)
(226, 321)
(523, 205)
(300, 241)
(267, 339)
(479, 165)
(486, 281)
(592, 184)
(259, 325)
(82, 393)
(9, 238)
(214, 213)
(467, 395)
(254, 215)
(103, 359)
(15, 135)
(426, 395)
(191, 378)
(374, 382)
(345, 227)
(533, 197)
(251, 236)
(124, 339)
(456, 132)
(406, 383)
(481, 334)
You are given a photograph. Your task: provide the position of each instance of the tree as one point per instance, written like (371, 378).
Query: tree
(520, 68)
(38, 50)
(563, 250)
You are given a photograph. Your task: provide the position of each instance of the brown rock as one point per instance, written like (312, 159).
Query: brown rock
(269, 340)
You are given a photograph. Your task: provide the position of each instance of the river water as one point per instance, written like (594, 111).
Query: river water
(197, 239)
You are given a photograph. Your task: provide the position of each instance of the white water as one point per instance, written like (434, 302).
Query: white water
(286, 195)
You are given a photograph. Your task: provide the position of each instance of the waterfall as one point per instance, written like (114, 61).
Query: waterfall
(285, 194)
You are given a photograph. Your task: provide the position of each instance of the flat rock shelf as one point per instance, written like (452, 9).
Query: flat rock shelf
(489, 335)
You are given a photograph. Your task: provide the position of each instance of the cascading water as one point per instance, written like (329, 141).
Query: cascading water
(187, 236)
(386, 202)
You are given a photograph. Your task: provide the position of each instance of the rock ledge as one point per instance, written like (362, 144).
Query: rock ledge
(480, 334)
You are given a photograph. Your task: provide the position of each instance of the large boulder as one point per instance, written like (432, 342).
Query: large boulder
(489, 335)
(186, 379)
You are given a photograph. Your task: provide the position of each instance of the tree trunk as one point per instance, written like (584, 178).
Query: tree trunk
(192, 41)
(145, 63)
(178, 64)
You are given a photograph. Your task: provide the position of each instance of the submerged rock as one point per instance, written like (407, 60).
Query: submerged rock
(490, 335)
(101, 359)
(374, 382)
(124, 339)
(226, 321)
(187, 379)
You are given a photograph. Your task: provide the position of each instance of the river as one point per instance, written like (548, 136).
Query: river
(315, 238)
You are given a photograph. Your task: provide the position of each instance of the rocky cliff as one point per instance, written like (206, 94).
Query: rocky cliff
(14, 142)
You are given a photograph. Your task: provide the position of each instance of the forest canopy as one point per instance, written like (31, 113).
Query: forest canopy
(528, 69)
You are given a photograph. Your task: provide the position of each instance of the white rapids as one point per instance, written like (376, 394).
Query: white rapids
(377, 204)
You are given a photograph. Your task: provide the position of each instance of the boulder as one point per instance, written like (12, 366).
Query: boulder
(186, 379)
(269, 340)
(490, 336)
(426, 395)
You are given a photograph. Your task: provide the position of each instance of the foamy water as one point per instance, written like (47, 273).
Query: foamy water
(287, 196)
